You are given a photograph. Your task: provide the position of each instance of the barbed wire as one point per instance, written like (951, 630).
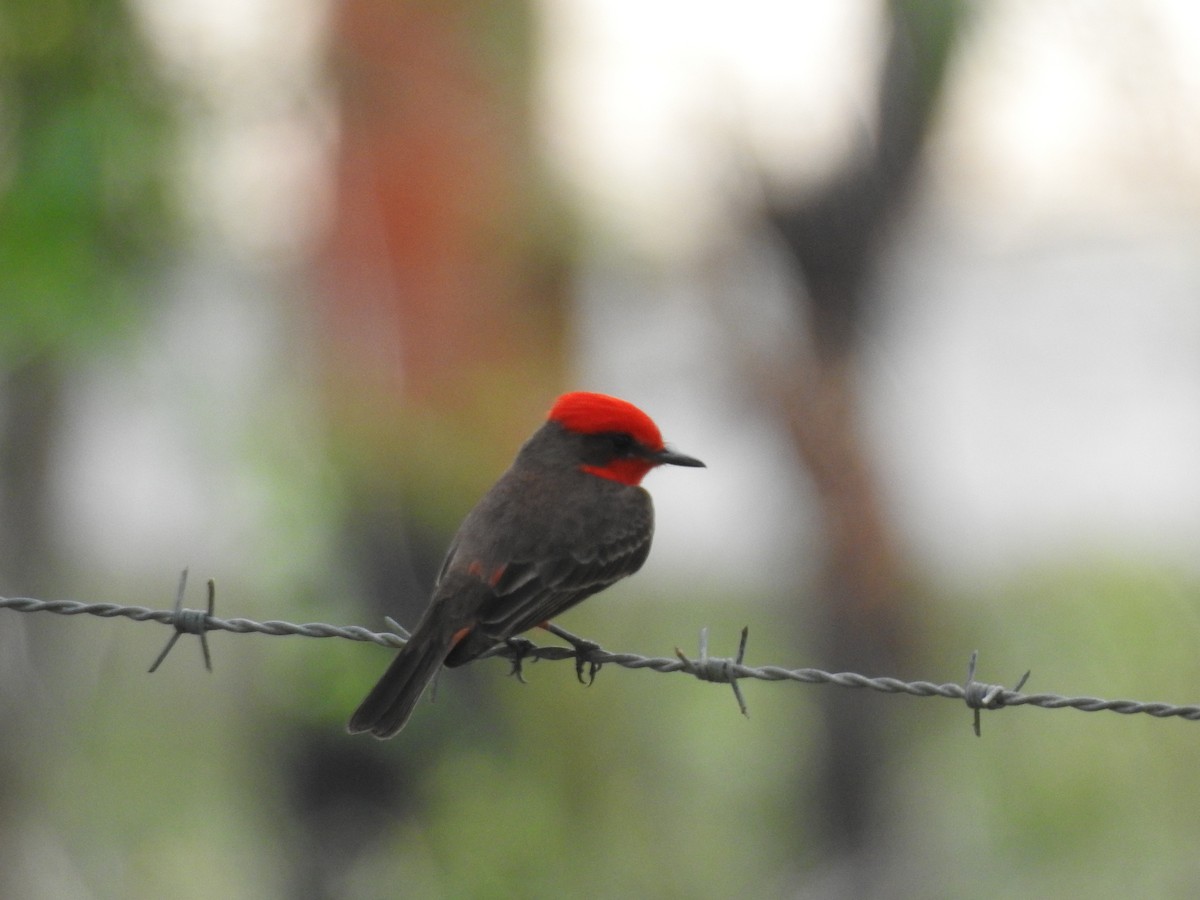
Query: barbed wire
(590, 656)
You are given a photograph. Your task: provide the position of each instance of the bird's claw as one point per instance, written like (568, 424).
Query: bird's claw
(585, 651)
(519, 648)
(592, 666)
(583, 657)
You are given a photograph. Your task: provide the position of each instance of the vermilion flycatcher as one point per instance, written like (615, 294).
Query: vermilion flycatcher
(566, 520)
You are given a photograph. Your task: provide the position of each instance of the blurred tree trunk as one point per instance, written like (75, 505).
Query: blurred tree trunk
(442, 325)
(442, 309)
(834, 237)
(30, 403)
(443, 276)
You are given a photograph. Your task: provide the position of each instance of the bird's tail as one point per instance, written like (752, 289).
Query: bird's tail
(387, 708)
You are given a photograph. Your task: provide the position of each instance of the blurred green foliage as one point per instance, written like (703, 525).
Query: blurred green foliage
(85, 134)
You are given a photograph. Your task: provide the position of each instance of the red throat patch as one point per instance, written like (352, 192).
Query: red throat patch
(626, 471)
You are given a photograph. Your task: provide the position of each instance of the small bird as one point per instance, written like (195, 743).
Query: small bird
(568, 519)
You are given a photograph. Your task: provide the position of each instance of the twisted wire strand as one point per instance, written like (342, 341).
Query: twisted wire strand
(977, 695)
(211, 623)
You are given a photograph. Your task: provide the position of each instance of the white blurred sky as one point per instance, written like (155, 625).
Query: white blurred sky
(1033, 379)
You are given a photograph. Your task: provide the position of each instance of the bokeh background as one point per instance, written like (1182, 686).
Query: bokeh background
(284, 283)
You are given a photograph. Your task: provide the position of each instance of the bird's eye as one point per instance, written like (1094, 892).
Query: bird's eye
(622, 444)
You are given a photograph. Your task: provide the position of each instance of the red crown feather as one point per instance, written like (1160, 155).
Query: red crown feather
(587, 413)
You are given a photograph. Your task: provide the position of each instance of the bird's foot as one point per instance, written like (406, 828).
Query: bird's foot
(585, 653)
(519, 649)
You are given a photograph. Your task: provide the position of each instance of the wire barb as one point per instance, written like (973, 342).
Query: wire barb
(719, 669)
(398, 628)
(190, 621)
(980, 696)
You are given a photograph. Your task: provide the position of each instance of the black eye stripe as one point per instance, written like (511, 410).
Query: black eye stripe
(616, 444)
(622, 442)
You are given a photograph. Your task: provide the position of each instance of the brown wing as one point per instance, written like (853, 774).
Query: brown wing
(526, 594)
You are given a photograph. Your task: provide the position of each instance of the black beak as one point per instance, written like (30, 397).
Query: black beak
(671, 458)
